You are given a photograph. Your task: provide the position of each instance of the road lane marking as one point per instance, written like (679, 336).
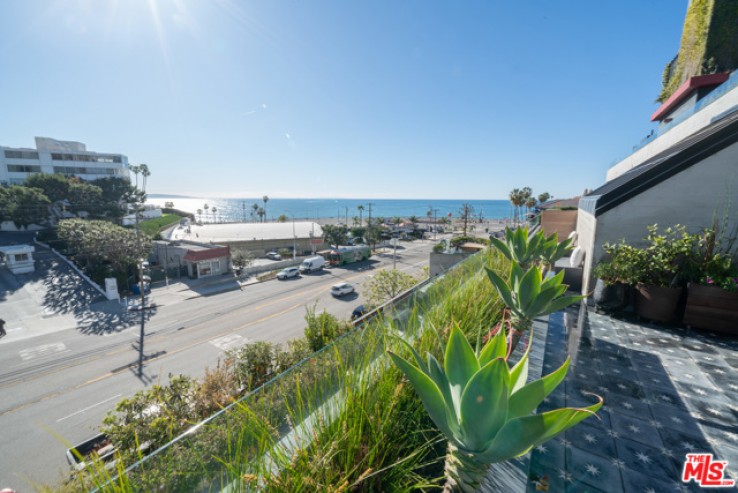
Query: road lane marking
(229, 341)
(42, 350)
(89, 407)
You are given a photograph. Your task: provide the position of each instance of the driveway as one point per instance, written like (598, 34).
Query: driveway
(52, 298)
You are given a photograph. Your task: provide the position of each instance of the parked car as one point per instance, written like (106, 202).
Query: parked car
(358, 312)
(288, 272)
(342, 289)
(312, 264)
(273, 256)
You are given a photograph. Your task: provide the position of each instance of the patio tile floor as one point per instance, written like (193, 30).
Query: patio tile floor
(667, 391)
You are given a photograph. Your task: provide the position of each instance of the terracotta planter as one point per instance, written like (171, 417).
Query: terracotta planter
(657, 303)
(712, 308)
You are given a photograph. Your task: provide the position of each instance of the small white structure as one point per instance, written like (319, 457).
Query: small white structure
(19, 258)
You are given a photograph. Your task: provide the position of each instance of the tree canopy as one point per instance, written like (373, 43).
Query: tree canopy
(23, 205)
(386, 284)
(100, 242)
(335, 235)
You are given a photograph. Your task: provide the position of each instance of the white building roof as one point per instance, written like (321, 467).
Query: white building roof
(235, 232)
(16, 249)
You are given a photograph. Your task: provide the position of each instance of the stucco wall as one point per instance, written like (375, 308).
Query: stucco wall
(691, 198)
(586, 231)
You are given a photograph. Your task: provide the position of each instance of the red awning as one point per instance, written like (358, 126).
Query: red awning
(210, 253)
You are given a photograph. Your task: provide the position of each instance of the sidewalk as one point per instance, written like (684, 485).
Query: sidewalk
(186, 289)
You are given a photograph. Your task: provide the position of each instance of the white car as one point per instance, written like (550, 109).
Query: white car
(342, 289)
(273, 256)
(288, 272)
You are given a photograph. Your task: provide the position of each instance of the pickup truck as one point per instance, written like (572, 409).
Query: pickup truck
(99, 445)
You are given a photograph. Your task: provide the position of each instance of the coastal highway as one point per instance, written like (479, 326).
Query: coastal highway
(55, 389)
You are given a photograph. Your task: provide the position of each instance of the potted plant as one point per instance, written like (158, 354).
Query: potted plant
(712, 299)
(655, 271)
(612, 291)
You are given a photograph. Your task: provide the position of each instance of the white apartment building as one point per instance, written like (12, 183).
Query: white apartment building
(59, 156)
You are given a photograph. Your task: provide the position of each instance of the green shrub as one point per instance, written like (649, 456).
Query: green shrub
(321, 329)
(254, 363)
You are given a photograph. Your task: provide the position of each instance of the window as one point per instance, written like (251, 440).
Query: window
(21, 257)
(215, 265)
(204, 269)
(85, 158)
(20, 168)
(21, 154)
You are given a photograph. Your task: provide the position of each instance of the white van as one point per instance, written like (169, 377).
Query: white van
(312, 264)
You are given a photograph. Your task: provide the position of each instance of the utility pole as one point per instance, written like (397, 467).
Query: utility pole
(140, 197)
(346, 216)
(435, 224)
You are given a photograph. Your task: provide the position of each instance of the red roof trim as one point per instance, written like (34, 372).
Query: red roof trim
(689, 86)
(210, 253)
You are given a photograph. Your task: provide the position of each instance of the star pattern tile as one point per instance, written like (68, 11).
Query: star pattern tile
(667, 391)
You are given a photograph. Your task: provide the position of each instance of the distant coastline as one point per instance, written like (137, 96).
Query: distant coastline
(232, 209)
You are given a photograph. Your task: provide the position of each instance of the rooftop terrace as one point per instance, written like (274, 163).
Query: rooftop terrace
(668, 391)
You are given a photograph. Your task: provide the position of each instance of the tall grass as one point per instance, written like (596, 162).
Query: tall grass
(343, 419)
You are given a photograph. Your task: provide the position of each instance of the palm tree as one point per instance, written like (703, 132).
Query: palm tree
(544, 197)
(514, 202)
(265, 199)
(214, 210)
(361, 214)
(525, 193)
(255, 211)
(206, 207)
(261, 213)
(199, 213)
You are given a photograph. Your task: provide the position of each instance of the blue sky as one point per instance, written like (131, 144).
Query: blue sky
(319, 98)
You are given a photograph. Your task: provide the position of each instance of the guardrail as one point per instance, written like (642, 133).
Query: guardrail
(273, 407)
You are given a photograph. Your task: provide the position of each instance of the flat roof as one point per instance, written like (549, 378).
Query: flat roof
(237, 232)
(17, 249)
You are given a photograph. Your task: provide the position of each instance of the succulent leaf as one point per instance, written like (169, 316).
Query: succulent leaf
(435, 371)
(519, 435)
(502, 247)
(519, 372)
(501, 286)
(428, 392)
(530, 286)
(460, 364)
(530, 396)
(484, 404)
(495, 348)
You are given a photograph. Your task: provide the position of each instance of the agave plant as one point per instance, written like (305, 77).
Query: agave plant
(527, 296)
(528, 250)
(484, 407)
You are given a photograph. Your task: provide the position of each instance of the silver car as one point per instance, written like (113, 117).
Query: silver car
(288, 272)
(342, 289)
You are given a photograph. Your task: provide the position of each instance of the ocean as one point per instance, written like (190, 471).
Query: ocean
(234, 210)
